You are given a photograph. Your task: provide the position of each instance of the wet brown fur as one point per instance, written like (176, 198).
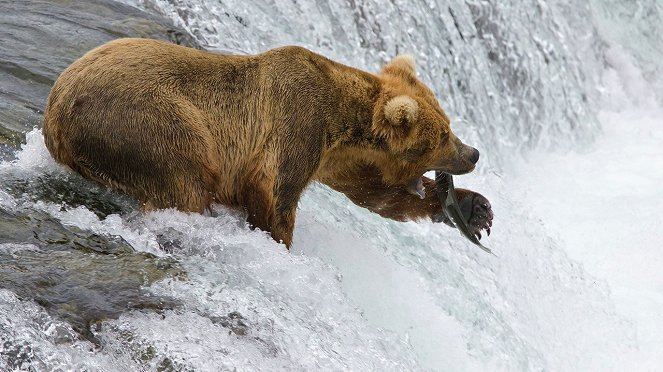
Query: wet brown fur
(178, 127)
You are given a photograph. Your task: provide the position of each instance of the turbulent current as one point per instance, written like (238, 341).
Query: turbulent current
(563, 98)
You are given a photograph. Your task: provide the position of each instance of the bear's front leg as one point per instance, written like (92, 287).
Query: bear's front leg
(258, 199)
(267, 213)
(364, 185)
(271, 198)
(284, 226)
(290, 186)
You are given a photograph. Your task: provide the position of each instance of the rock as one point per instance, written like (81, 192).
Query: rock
(39, 38)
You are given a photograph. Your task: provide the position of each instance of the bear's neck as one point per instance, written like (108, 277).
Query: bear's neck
(357, 98)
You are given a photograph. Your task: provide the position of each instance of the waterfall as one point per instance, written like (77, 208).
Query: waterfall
(358, 292)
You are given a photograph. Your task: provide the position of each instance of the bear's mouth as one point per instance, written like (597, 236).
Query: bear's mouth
(416, 187)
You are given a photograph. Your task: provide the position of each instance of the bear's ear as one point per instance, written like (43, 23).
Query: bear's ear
(396, 120)
(403, 63)
(401, 111)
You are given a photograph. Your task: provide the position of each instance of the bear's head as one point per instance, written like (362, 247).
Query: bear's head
(414, 130)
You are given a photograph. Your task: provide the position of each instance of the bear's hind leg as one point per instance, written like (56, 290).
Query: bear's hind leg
(185, 191)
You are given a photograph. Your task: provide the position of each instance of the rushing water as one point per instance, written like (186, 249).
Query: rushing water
(359, 292)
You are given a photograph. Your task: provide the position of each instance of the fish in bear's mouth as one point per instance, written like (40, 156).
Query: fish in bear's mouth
(416, 185)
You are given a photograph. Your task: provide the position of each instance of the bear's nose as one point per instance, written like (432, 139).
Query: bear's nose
(474, 157)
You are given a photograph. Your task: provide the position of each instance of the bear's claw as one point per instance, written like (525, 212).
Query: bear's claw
(477, 212)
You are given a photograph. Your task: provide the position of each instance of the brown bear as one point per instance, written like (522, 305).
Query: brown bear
(183, 128)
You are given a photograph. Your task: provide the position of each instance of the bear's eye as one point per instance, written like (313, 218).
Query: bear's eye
(414, 154)
(445, 137)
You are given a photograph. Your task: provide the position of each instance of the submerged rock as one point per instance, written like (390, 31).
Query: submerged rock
(75, 275)
(67, 189)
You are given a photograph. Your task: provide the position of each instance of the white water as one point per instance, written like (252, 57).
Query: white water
(576, 285)
(613, 196)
